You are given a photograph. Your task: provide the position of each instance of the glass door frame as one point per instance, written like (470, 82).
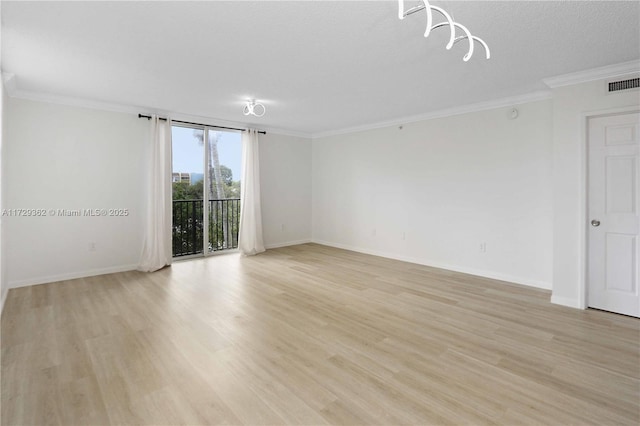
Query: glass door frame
(206, 185)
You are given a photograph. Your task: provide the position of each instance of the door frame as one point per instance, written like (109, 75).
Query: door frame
(583, 298)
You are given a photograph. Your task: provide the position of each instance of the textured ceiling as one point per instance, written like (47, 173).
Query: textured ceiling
(318, 66)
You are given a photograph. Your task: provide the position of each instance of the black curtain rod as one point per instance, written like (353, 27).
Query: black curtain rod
(148, 117)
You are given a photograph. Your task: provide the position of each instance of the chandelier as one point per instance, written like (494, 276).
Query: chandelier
(254, 108)
(448, 22)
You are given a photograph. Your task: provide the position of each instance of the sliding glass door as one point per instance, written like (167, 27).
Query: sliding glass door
(206, 166)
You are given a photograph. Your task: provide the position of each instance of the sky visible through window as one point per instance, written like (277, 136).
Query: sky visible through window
(188, 153)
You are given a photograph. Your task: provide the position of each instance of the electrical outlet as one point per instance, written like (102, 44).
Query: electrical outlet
(92, 246)
(483, 247)
(282, 227)
(373, 232)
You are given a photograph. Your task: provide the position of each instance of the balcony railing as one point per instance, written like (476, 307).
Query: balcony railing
(188, 226)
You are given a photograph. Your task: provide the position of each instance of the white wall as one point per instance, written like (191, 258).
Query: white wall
(571, 105)
(3, 285)
(285, 183)
(61, 157)
(434, 191)
(3, 278)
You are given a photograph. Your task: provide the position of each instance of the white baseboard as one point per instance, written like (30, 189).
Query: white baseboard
(435, 264)
(566, 301)
(288, 243)
(70, 276)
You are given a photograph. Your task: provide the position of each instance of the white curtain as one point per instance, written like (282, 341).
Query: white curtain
(156, 249)
(250, 239)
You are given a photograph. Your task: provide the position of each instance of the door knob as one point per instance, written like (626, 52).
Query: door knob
(595, 222)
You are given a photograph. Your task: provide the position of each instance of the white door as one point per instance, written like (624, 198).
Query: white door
(614, 220)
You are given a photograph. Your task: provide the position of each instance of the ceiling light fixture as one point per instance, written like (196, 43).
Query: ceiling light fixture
(254, 108)
(449, 21)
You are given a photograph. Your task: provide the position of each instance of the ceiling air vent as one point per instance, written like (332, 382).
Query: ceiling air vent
(616, 86)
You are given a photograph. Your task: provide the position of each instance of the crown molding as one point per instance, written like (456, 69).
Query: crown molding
(464, 109)
(14, 91)
(625, 68)
(286, 132)
(593, 74)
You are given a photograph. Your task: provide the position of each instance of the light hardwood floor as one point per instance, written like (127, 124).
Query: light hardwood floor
(311, 335)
